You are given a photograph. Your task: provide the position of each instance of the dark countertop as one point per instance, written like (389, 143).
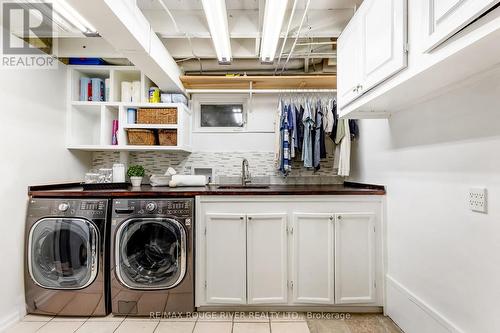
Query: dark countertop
(74, 190)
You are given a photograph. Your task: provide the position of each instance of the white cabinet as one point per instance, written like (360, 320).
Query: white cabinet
(384, 32)
(313, 246)
(225, 275)
(372, 48)
(304, 254)
(349, 63)
(446, 17)
(267, 258)
(354, 258)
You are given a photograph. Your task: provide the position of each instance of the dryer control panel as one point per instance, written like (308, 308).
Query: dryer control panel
(180, 208)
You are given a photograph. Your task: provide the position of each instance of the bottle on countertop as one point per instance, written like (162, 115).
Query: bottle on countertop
(118, 173)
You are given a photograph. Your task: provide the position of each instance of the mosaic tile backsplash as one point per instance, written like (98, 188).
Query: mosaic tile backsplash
(223, 163)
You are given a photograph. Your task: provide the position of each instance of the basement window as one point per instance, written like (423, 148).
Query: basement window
(220, 113)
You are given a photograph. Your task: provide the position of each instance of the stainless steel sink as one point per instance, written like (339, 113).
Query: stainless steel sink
(240, 186)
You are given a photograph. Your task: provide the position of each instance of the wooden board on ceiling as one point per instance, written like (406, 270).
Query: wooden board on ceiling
(260, 82)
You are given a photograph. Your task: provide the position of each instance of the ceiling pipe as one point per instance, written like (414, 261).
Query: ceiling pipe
(296, 37)
(286, 35)
(186, 35)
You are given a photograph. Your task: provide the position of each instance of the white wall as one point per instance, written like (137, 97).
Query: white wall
(443, 260)
(32, 140)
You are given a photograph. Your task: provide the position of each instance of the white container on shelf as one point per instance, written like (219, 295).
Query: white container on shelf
(118, 173)
(126, 91)
(136, 91)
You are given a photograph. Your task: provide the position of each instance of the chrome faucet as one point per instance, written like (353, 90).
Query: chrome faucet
(245, 173)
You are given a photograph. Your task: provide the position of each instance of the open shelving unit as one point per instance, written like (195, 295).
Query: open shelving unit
(89, 123)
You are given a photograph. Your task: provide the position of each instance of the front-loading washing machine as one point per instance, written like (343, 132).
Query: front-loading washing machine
(152, 256)
(66, 264)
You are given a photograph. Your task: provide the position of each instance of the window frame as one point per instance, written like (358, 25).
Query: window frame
(219, 99)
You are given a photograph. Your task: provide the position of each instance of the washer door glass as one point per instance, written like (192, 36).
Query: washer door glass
(63, 253)
(150, 253)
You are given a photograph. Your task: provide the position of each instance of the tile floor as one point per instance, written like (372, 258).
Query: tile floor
(215, 323)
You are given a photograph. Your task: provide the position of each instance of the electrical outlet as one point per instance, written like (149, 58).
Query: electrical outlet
(478, 199)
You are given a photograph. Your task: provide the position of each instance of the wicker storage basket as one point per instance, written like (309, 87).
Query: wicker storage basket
(167, 137)
(140, 137)
(157, 116)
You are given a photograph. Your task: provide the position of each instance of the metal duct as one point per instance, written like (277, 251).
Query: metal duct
(250, 66)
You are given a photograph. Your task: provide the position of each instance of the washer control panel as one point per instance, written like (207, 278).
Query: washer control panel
(182, 208)
(89, 208)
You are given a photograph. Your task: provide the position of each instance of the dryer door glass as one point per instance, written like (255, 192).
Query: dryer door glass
(63, 253)
(150, 253)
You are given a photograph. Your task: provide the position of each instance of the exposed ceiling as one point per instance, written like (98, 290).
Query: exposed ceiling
(188, 38)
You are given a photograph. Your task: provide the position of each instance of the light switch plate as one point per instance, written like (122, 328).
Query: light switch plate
(478, 199)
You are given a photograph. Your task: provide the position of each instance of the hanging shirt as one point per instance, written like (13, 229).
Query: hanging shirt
(345, 151)
(354, 129)
(333, 108)
(307, 153)
(277, 137)
(286, 141)
(328, 120)
(318, 126)
(340, 131)
(293, 131)
(295, 126)
(300, 128)
(322, 145)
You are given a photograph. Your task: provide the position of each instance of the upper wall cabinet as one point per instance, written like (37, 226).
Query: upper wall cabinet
(372, 48)
(446, 17)
(384, 40)
(349, 63)
(466, 31)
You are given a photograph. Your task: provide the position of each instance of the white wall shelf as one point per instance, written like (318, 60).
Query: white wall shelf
(89, 123)
(128, 148)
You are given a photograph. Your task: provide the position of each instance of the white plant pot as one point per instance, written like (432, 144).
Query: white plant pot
(136, 181)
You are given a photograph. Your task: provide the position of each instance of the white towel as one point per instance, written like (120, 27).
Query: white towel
(189, 180)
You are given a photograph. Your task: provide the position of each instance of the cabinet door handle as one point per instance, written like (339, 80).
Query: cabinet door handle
(249, 217)
(339, 217)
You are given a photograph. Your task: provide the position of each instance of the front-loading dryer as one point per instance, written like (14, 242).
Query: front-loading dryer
(66, 264)
(152, 256)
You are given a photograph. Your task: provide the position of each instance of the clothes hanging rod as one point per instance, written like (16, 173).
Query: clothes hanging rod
(257, 91)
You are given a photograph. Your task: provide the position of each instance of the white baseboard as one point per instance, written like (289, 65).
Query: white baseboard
(10, 319)
(412, 314)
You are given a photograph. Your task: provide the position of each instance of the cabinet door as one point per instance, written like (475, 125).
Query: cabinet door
(313, 238)
(384, 35)
(225, 250)
(267, 258)
(354, 258)
(349, 63)
(444, 18)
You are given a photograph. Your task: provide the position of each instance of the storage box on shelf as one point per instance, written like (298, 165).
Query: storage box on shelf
(90, 123)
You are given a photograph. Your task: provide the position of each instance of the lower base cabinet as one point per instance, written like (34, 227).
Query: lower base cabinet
(312, 256)
(225, 253)
(248, 253)
(355, 281)
(267, 268)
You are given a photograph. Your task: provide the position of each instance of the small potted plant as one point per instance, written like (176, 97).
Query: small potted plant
(135, 172)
